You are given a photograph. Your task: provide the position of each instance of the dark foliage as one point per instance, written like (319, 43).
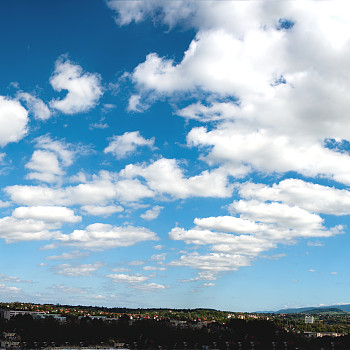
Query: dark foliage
(150, 334)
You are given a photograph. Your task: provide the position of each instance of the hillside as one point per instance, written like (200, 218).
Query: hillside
(324, 309)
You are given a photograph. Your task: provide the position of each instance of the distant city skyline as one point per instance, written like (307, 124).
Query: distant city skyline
(175, 154)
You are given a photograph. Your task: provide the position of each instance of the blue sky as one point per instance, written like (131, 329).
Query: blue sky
(175, 154)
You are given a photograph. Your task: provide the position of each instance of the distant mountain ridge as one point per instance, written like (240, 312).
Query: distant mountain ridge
(316, 309)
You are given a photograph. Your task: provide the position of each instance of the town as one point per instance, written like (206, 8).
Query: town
(47, 326)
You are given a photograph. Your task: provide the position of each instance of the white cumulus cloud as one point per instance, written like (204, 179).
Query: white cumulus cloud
(48, 161)
(48, 214)
(166, 177)
(84, 89)
(104, 236)
(152, 214)
(126, 144)
(45, 165)
(125, 278)
(306, 195)
(99, 191)
(102, 210)
(74, 254)
(13, 121)
(77, 270)
(16, 230)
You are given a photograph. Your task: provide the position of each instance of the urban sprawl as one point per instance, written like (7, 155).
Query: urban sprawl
(35, 326)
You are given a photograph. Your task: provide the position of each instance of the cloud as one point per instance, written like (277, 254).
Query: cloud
(152, 214)
(12, 279)
(45, 161)
(208, 284)
(99, 125)
(103, 188)
(261, 226)
(274, 257)
(126, 144)
(207, 64)
(227, 224)
(241, 51)
(136, 281)
(13, 121)
(315, 244)
(4, 204)
(149, 287)
(166, 177)
(136, 105)
(49, 246)
(6, 289)
(153, 268)
(271, 223)
(84, 89)
(74, 254)
(62, 149)
(35, 105)
(37, 195)
(162, 177)
(77, 270)
(46, 166)
(266, 71)
(216, 111)
(136, 262)
(306, 195)
(75, 293)
(47, 214)
(103, 211)
(125, 278)
(104, 236)
(132, 190)
(292, 217)
(158, 257)
(43, 223)
(269, 153)
(68, 290)
(16, 230)
(137, 11)
(212, 263)
(223, 242)
(202, 275)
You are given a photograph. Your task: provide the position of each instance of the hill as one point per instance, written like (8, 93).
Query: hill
(323, 309)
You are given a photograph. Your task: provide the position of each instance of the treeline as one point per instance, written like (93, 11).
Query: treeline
(76, 310)
(20, 306)
(152, 334)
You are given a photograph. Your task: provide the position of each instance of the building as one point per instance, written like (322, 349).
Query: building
(7, 314)
(56, 317)
(10, 341)
(322, 334)
(309, 319)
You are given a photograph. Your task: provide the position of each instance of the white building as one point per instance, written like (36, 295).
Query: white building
(7, 314)
(309, 319)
